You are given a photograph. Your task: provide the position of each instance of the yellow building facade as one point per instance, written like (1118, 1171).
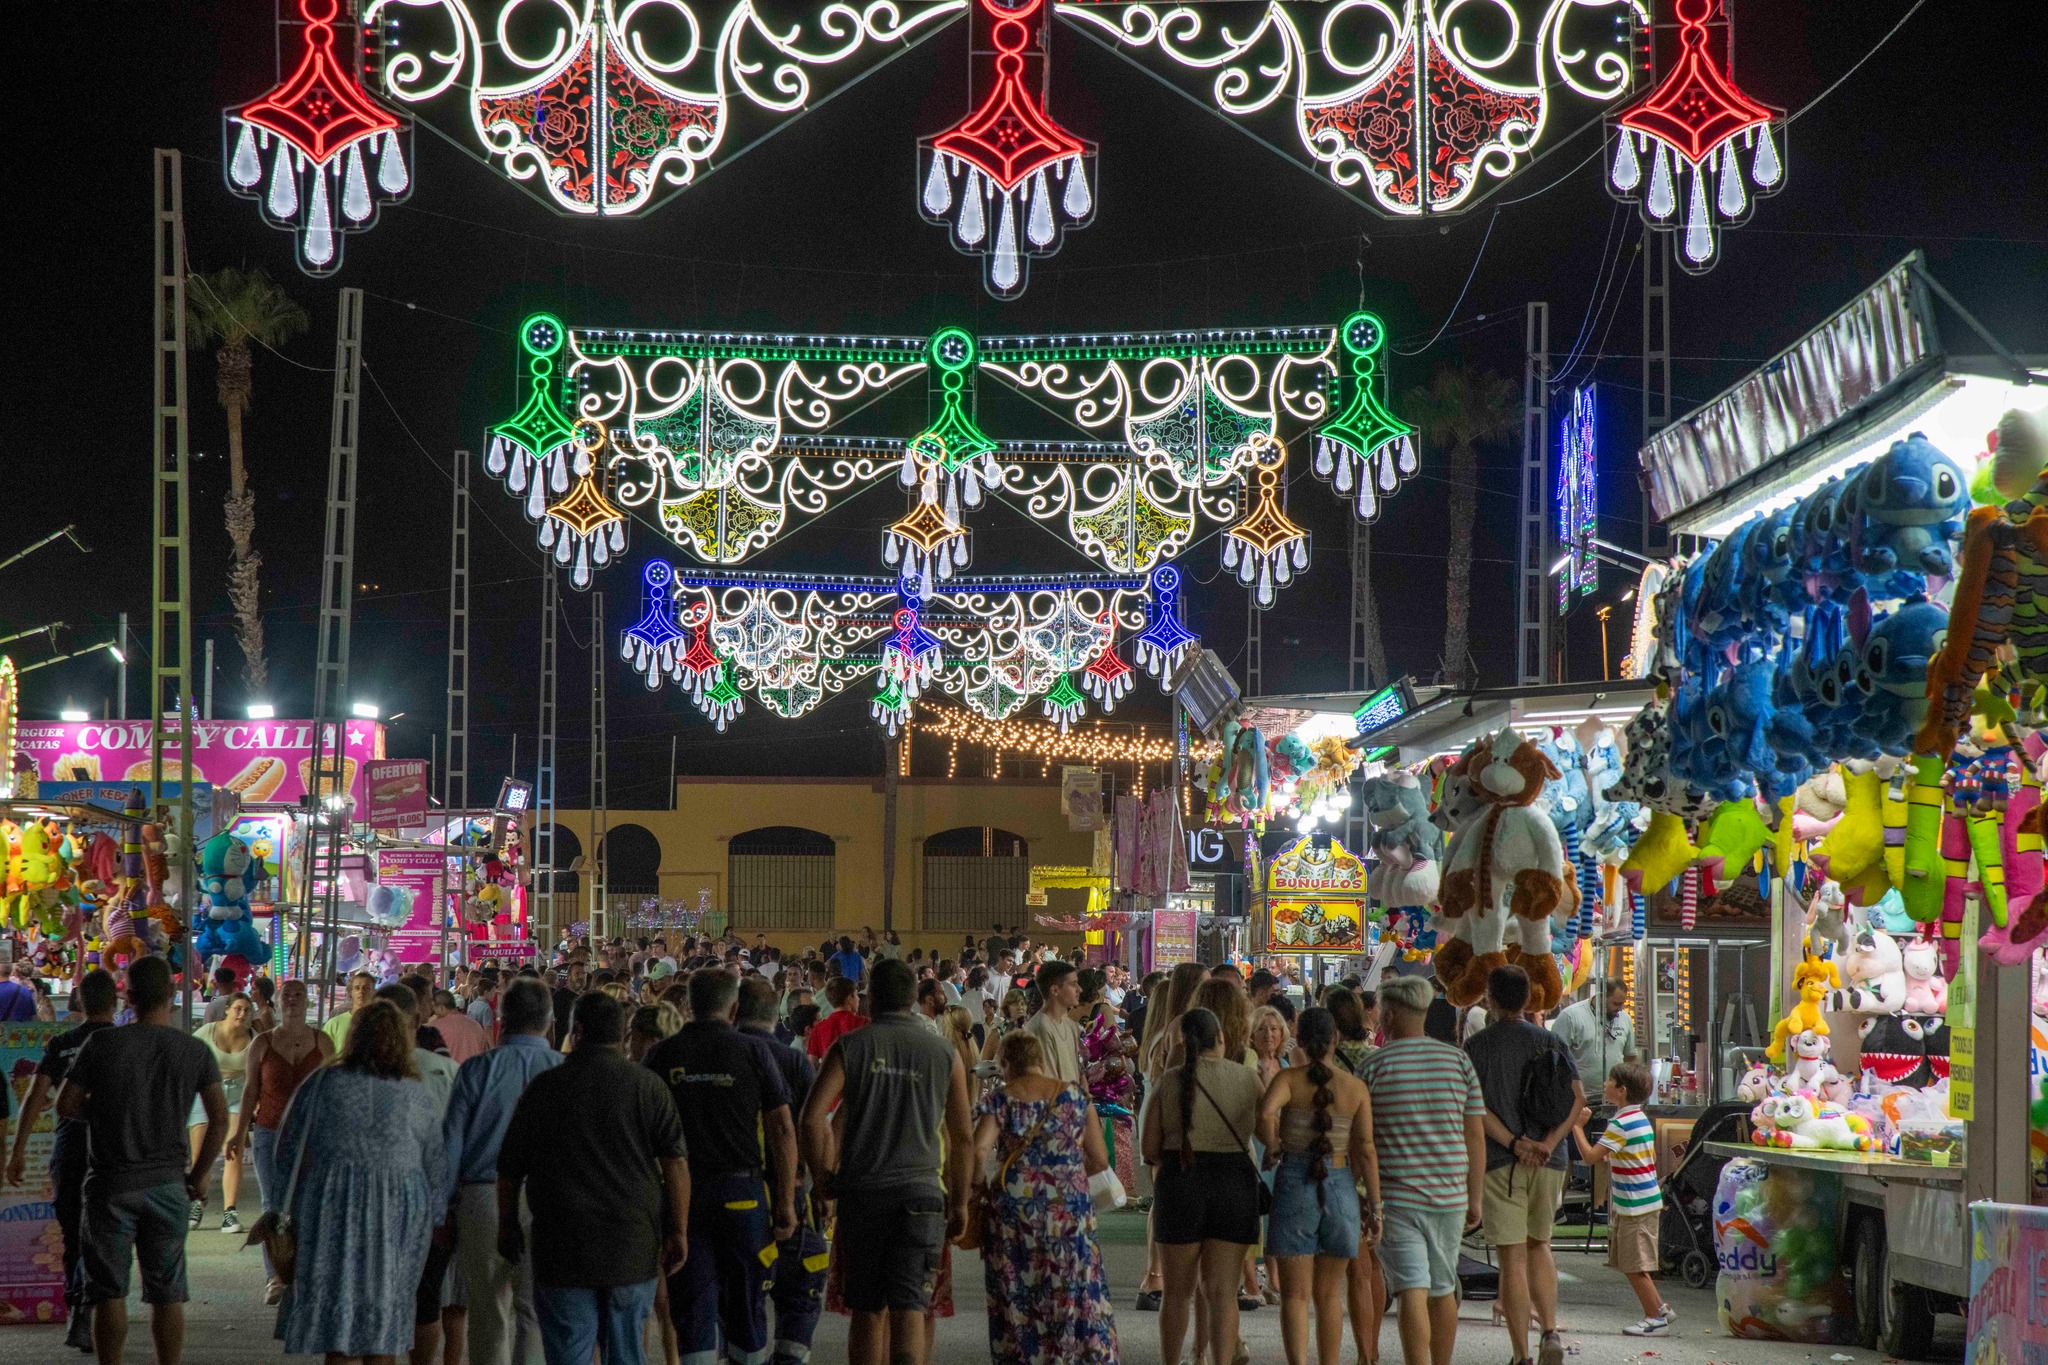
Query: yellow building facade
(801, 859)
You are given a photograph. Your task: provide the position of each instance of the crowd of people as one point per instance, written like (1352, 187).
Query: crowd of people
(690, 1155)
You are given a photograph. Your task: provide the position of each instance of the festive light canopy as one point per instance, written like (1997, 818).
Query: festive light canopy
(792, 640)
(317, 152)
(1099, 742)
(1697, 120)
(1414, 107)
(606, 109)
(727, 438)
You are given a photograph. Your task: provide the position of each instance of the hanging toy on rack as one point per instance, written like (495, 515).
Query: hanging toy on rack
(1408, 846)
(1504, 878)
(1812, 979)
(224, 877)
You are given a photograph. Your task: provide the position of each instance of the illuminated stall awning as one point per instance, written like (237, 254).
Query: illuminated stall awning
(1869, 375)
(1446, 721)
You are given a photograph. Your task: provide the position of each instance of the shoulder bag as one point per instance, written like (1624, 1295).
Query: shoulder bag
(970, 1238)
(284, 1236)
(1265, 1192)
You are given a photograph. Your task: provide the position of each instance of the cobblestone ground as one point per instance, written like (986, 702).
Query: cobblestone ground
(229, 1325)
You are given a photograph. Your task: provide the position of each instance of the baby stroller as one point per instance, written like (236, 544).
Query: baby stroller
(1685, 1235)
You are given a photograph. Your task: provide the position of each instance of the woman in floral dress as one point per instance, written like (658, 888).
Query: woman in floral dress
(1048, 1299)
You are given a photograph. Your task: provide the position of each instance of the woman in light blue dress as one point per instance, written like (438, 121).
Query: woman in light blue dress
(370, 1136)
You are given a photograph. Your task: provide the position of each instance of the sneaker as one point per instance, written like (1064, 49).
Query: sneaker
(1550, 1350)
(1649, 1327)
(1148, 1300)
(273, 1292)
(79, 1337)
(1667, 1314)
(1252, 1303)
(229, 1222)
(198, 1213)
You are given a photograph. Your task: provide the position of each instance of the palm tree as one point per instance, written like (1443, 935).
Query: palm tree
(1461, 410)
(236, 309)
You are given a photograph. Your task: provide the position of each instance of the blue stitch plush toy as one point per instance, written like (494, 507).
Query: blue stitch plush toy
(1912, 500)
(1768, 567)
(1891, 671)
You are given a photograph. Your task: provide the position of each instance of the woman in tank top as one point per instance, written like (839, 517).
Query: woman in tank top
(278, 1064)
(228, 1039)
(1316, 1122)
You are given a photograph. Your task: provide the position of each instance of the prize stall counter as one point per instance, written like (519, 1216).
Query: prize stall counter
(1895, 1223)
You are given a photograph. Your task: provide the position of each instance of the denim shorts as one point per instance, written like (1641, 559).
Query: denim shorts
(146, 1226)
(1303, 1225)
(1419, 1249)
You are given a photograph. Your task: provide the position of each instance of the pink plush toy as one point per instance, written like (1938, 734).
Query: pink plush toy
(1926, 990)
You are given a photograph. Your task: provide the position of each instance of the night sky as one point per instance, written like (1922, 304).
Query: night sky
(1934, 144)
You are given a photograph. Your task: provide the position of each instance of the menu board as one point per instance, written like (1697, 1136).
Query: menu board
(1173, 938)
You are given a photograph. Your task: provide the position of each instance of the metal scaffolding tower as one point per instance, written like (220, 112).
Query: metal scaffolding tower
(170, 615)
(1254, 646)
(600, 788)
(455, 773)
(330, 787)
(541, 919)
(1365, 670)
(1534, 540)
(1656, 379)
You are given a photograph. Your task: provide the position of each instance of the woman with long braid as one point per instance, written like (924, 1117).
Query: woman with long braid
(1316, 1122)
(1197, 1136)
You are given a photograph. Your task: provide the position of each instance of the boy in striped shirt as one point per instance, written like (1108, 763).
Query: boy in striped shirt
(1635, 1198)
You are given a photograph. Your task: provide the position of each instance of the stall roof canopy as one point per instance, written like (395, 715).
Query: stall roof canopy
(1871, 374)
(1445, 720)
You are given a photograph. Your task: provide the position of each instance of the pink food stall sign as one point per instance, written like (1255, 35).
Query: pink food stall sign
(267, 760)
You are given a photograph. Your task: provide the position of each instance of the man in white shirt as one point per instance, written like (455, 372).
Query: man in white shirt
(1598, 1031)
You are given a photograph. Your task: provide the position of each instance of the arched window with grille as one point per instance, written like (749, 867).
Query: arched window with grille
(975, 876)
(780, 877)
(568, 848)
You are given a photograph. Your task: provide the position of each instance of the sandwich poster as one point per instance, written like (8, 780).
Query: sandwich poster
(398, 794)
(269, 760)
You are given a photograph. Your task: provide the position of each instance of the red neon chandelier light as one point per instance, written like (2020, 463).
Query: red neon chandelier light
(1008, 159)
(321, 131)
(1697, 120)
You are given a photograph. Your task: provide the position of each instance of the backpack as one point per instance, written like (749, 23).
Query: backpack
(1546, 1098)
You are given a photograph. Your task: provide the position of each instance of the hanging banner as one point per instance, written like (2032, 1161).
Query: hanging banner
(398, 794)
(412, 881)
(31, 1248)
(1081, 797)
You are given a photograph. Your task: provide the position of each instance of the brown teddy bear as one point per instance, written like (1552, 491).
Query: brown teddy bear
(1504, 877)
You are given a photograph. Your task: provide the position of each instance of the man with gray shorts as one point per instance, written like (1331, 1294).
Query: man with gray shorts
(1427, 1115)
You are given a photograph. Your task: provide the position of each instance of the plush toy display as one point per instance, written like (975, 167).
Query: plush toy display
(1813, 978)
(1874, 977)
(1504, 877)
(224, 877)
(1409, 847)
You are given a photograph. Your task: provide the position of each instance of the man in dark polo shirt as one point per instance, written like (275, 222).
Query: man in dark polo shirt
(901, 1083)
(597, 1145)
(730, 1094)
(801, 1257)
